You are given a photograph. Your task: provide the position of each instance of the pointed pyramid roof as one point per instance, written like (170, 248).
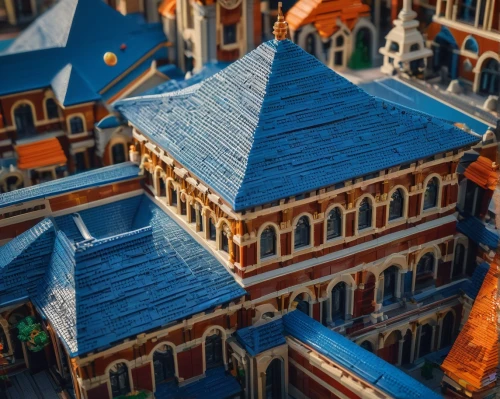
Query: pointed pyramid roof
(473, 359)
(279, 123)
(70, 87)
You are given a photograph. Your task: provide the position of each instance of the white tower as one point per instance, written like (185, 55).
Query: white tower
(404, 46)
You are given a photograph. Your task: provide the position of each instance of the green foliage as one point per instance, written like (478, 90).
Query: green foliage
(426, 370)
(32, 333)
(136, 395)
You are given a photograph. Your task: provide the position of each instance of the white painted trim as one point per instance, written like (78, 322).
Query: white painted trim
(302, 290)
(208, 330)
(373, 206)
(150, 358)
(311, 232)
(277, 254)
(406, 198)
(16, 105)
(129, 370)
(342, 223)
(68, 125)
(439, 193)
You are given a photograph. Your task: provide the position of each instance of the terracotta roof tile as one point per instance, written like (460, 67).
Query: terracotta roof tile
(483, 172)
(324, 13)
(167, 7)
(41, 153)
(473, 359)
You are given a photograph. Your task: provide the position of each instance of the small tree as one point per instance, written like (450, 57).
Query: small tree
(32, 333)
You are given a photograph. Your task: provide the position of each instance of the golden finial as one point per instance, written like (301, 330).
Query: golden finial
(280, 26)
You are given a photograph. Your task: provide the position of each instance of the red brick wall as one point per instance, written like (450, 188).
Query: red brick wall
(101, 392)
(143, 378)
(190, 362)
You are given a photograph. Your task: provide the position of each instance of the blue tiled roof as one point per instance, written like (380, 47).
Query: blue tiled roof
(108, 122)
(217, 384)
(278, 123)
(258, 339)
(476, 281)
(99, 292)
(368, 366)
(75, 33)
(23, 262)
(70, 87)
(93, 178)
(477, 231)
(177, 84)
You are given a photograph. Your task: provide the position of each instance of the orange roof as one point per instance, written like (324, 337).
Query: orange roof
(167, 7)
(40, 153)
(473, 359)
(483, 172)
(324, 13)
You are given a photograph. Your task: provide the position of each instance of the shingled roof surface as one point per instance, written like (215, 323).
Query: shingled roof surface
(64, 48)
(278, 123)
(257, 339)
(347, 354)
(92, 178)
(473, 359)
(323, 14)
(478, 232)
(148, 274)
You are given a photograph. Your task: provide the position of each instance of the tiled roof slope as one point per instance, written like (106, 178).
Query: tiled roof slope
(476, 281)
(483, 172)
(40, 153)
(278, 122)
(93, 178)
(119, 220)
(130, 283)
(60, 42)
(217, 384)
(23, 262)
(347, 354)
(473, 359)
(478, 232)
(324, 14)
(261, 338)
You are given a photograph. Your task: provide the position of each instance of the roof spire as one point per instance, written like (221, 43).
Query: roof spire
(280, 26)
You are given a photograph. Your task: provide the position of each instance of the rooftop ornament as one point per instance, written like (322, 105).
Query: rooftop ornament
(280, 28)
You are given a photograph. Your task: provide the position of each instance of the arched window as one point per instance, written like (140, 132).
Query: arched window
(76, 125)
(302, 233)
(118, 377)
(447, 332)
(274, 375)
(224, 242)
(339, 42)
(396, 206)
(212, 229)
(213, 350)
(51, 108)
(118, 153)
(425, 271)
(173, 195)
(311, 44)
(268, 242)
(367, 346)
(458, 260)
(425, 340)
(334, 224)
(390, 276)
(338, 301)
(431, 193)
(471, 45)
(25, 124)
(301, 303)
(364, 214)
(163, 363)
(490, 77)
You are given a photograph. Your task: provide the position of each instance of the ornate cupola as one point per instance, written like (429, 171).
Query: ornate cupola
(405, 49)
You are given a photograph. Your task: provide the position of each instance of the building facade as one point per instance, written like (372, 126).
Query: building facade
(464, 37)
(277, 223)
(52, 96)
